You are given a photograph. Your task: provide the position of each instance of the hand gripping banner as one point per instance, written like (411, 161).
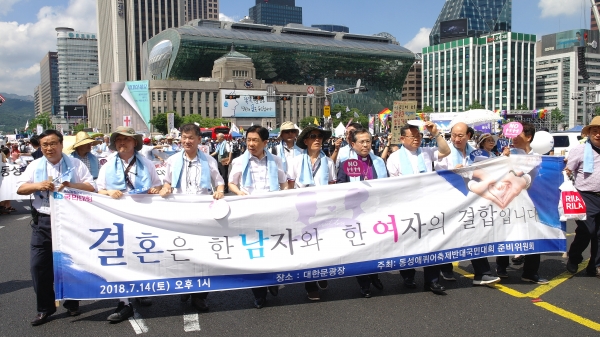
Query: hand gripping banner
(144, 245)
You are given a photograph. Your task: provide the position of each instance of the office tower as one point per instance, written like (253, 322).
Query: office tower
(77, 64)
(276, 12)
(471, 18)
(124, 25)
(497, 70)
(593, 23)
(49, 95)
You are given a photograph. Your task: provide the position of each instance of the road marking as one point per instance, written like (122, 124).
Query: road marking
(138, 323)
(19, 200)
(1, 226)
(27, 208)
(25, 217)
(569, 315)
(539, 291)
(542, 289)
(191, 322)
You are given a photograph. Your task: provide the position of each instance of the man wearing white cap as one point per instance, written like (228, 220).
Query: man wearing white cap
(287, 149)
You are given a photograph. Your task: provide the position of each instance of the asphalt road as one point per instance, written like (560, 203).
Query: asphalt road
(569, 306)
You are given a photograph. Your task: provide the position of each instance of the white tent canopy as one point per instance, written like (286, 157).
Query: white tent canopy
(340, 130)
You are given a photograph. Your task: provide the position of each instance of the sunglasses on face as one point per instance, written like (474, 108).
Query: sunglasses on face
(315, 136)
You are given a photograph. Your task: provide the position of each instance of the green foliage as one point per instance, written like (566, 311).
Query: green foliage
(522, 107)
(160, 121)
(557, 115)
(205, 122)
(347, 115)
(307, 120)
(43, 119)
(426, 108)
(597, 111)
(475, 105)
(14, 114)
(78, 127)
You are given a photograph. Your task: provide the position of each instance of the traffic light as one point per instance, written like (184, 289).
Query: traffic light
(581, 63)
(286, 98)
(258, 98)
(232, 96)
(354, 90)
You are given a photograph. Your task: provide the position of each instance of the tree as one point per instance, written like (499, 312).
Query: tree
(304, 122)
(557, 116)
(522, 107)
(160, 121)
(204, 122)
(426, 108)
(597, 111)
(475, 105)
(78, 127)
(43, 119)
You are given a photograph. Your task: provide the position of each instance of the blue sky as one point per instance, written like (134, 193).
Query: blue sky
(27, 26)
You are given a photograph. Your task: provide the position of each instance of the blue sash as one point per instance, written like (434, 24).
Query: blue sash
(281, 153)
(306, 175)
(94, 164)
(66, 168)
(272, 171)
(588, 158)
(457, 157)
(406, 167)
(177, 170)
(116, 174)
(378, 165)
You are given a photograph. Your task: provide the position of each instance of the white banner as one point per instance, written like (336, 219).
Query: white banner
(143, 245)
(8, 182)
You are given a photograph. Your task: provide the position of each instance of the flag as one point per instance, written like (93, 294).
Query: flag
(2, 99)
(316, 122)
(196, 124)
(338, 115)
(27, 125)
(383, 114)
(234, 128)
(347, 109)
(350, 121)
(355, 114)
(371, 124)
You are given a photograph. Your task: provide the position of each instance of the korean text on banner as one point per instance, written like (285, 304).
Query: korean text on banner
(145, 245)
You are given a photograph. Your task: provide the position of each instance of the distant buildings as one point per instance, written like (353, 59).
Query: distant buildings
(412, 90)
(333, 28)
(49, 94)
(276, 12)
(77, 64)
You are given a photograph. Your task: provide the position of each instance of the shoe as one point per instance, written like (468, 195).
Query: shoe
(184, 297)
(72, 307)
(409, 282)
(144, 301)
(377, 283)
(42, 317)
(274, 290)
(571, 267)
(447, 275)
(122, 313)
(519, 259)
(501, 272)
(435, 287)
(593, 272)
(323, 284)
(366, 292)
(260, 302)
(200, 304)
(534, 279)
(485, 280)
(314, 296)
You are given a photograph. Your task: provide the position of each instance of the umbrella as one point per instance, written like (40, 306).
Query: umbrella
(236, 134)
(476, 116)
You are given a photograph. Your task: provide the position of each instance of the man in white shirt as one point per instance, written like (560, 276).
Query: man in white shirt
(287, 149)
(127, 172)
(258, 171)
(103, 150)
(147, 149)
(36, 180)
(341, 154)
(223, 155)
(413, 159)
(191, 172)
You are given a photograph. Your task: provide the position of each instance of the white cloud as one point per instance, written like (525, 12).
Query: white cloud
(551, 8)
(5, 6)
(223, 17)
(419, 41)
(25, 44)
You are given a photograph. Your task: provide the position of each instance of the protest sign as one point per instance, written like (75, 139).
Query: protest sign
(8, 182)
(144, 245)
(402, 112)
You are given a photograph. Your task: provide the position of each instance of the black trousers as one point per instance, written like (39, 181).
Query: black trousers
(530, 266)
(223, 171)
(200, 295)
(587, 232)
(481, 267)
(364, 281)
(42, 267)
(430, 273)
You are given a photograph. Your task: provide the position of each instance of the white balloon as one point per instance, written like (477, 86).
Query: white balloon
(542, 142)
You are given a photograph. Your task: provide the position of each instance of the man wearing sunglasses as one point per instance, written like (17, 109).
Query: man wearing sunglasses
(127, 172)
(287, 149)
(36, 180)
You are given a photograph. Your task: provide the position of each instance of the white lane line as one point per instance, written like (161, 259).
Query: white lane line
(191, 322)
(27, 208)
(1, 226)
(19, 200)
(25, 217)
(138, 323)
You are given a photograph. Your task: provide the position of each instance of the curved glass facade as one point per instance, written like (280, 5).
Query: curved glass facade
(294, 59)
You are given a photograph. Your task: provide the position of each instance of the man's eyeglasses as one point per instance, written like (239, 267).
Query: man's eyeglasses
(364, 142)
(48, 145)
(413, 137)
(315, 136)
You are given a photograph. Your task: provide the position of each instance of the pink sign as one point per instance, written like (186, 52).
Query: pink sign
(512, 129)
(352, 168)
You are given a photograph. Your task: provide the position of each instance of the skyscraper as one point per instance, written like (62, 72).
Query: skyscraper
(276, 12)
(77, 64)
(593, 23)
(124, 25)
(49, 95)
(471, 18)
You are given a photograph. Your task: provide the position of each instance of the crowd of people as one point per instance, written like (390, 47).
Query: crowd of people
(298, 159)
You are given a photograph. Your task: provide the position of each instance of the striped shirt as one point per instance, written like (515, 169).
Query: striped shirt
(587, 182)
